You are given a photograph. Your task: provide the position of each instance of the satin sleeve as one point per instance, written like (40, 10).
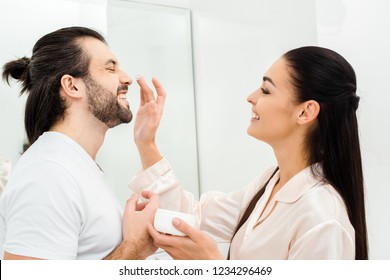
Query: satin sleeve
(217, 213)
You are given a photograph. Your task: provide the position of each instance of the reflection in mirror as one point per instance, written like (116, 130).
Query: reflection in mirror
(153, 41)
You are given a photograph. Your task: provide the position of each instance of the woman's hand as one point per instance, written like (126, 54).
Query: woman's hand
(197, 245)
(147, 121)
(149, 113)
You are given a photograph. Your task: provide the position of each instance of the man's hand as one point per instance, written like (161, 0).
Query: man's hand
(137, 243)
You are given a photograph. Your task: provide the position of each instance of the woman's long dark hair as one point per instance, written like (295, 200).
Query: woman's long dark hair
(251, 206)
(54, 55)
(325, 76)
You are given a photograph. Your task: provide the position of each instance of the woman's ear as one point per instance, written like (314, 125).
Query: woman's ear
(308, 112)
(70, 87)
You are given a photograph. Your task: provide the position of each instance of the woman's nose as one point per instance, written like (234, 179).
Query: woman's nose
(252, 97)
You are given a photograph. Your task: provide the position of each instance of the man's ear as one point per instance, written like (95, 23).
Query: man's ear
(70, 86)
(308, 111)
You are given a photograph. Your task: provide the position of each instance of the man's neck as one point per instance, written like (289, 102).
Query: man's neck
(90, 136)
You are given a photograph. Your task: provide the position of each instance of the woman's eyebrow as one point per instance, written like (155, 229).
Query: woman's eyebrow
(265, 78)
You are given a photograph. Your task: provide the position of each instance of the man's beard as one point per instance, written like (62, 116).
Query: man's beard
(104, 105)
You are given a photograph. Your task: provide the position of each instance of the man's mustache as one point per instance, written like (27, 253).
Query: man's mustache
(122, 87)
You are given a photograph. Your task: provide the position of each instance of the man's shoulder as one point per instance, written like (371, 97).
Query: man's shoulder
(52, 152)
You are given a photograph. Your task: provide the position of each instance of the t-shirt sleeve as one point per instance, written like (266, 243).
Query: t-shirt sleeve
(44, 213)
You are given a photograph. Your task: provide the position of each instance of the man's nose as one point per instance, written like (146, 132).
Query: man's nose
(125, 79)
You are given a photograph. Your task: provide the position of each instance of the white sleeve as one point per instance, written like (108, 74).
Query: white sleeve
(44, 213)
(5, 170)
(326, 241)
(217, 212)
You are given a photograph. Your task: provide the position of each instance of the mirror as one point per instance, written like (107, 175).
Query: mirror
(154, 41)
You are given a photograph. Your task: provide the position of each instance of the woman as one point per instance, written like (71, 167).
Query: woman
(309, 207)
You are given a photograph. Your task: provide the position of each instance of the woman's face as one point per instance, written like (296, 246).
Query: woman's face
(274, 111)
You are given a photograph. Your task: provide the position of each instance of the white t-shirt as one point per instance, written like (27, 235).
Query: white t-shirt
(306, 219)
(57, 205)
(5, 169)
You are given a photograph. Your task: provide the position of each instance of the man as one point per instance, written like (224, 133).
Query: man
(56, 204)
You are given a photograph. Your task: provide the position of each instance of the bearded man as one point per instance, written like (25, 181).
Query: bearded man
(57, 204)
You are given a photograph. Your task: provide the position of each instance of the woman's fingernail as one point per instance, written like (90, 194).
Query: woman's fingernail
(138, 77)
(176, 222)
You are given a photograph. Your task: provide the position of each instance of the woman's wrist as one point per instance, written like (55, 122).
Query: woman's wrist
(149, 154)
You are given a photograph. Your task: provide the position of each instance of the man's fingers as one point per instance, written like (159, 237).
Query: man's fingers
(131, 203)
(147, 194)
(154, 200)
(141, 206)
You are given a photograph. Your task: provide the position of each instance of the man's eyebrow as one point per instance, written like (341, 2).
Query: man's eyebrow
(110, 61)
(265, 78)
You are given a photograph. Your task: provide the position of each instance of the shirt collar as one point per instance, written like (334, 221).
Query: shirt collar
(297, 185)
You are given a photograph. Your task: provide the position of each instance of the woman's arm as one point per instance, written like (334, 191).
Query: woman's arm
(216, 212)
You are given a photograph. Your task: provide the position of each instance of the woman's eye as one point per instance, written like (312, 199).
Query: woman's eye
(264, 91)
(111, 70)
